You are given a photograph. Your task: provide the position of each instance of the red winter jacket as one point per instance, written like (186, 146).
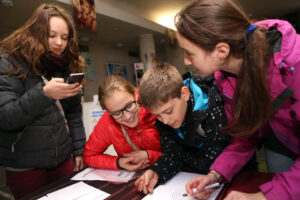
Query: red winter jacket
(108, 131)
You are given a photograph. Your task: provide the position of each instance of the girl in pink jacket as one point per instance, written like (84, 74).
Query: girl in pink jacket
(127, 125)
(257, 70)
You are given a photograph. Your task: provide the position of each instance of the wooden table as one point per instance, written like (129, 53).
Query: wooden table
(245, 182)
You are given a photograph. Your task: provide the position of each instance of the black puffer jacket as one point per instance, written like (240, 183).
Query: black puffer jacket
(33, 132)
(203, 140)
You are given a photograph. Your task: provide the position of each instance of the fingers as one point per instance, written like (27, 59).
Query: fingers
(152, 184)
(78, 163)
(126, 163)
(57, 89)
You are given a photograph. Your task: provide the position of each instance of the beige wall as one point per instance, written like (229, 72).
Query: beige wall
(101, 55)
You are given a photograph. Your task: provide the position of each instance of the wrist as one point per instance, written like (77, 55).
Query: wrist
(118, 163)
(216, 176)
(147, 154)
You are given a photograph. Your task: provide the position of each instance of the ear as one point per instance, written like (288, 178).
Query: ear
(222, 50)
(136, 96)
(185, 93)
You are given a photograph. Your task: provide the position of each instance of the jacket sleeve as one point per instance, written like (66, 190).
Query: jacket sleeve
(97, 143)
(170, 162)
(235, 156)
(73, 113)
(284, 185)
(153, 155)
(18, 106)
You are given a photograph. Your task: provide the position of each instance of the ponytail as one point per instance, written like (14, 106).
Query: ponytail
(252, 101)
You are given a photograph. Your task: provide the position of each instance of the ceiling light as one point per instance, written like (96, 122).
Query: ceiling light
(8, 3)
(120, 44)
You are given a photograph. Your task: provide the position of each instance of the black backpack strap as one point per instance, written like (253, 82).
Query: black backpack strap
(281, 98)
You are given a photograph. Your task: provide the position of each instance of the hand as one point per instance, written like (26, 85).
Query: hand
(78, 163)
(138, 156)
(127, 163)
(147, 181)
(56, 88)
(199, 183)
(234, 195)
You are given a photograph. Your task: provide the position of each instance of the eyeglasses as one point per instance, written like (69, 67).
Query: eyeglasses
(129, 108)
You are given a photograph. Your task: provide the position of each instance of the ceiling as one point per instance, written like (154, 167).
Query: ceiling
(112, 31)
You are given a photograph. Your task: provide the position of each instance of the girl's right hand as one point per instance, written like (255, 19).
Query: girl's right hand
(56, 88)
(199, 183)
(128, 164)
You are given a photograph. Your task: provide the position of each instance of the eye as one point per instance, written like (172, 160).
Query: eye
(168, 112)
(65, 37)
(117, 114)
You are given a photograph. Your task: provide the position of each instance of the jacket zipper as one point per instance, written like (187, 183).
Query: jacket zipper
(54, 138)
(18, 138)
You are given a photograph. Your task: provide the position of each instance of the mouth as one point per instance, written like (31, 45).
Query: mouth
(173, 124)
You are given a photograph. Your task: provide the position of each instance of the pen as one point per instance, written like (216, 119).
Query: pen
(207, 187)
(212, 185)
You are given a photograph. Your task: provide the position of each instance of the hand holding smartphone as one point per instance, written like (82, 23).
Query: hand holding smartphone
(75, 78)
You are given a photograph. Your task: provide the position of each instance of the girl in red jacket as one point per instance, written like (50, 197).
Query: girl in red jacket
(125, 124)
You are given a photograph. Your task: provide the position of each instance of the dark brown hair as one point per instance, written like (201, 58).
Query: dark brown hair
(159, 84)
(209, 22)
(30, 41)
(112, 83)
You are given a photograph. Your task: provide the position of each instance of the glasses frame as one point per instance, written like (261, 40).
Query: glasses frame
(124, 109)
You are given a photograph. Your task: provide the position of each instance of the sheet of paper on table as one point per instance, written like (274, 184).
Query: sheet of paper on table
(92, 174)
(78, 191)
(174, 189)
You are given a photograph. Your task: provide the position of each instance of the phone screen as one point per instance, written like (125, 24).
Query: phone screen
(75, 78)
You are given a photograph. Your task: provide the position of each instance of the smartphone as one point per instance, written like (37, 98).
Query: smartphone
(75, 78)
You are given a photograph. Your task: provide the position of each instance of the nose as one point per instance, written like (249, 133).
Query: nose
(58, 41)
(126, 115)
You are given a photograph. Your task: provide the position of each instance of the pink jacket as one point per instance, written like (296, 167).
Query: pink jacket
(284, 73)
(108, 131)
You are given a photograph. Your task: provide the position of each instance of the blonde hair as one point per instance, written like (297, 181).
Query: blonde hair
(111, 84)
(159, 84)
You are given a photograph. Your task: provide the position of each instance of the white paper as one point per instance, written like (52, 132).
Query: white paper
(92, 174)
(77, 191)
(174, 189)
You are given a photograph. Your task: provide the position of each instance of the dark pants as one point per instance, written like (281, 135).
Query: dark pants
(25, 182)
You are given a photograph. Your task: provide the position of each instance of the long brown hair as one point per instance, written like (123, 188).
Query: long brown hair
(30, 41)
(208, 22)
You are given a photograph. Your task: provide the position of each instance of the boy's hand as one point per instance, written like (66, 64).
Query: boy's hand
(147, 182)
(127, 163)
(137, 155)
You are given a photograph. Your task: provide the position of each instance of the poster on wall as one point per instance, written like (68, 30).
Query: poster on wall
(117, 69)
(84, 14)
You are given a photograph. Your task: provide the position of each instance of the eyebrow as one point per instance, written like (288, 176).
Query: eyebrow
(52, 31)
(164, 111)
(123, 107)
